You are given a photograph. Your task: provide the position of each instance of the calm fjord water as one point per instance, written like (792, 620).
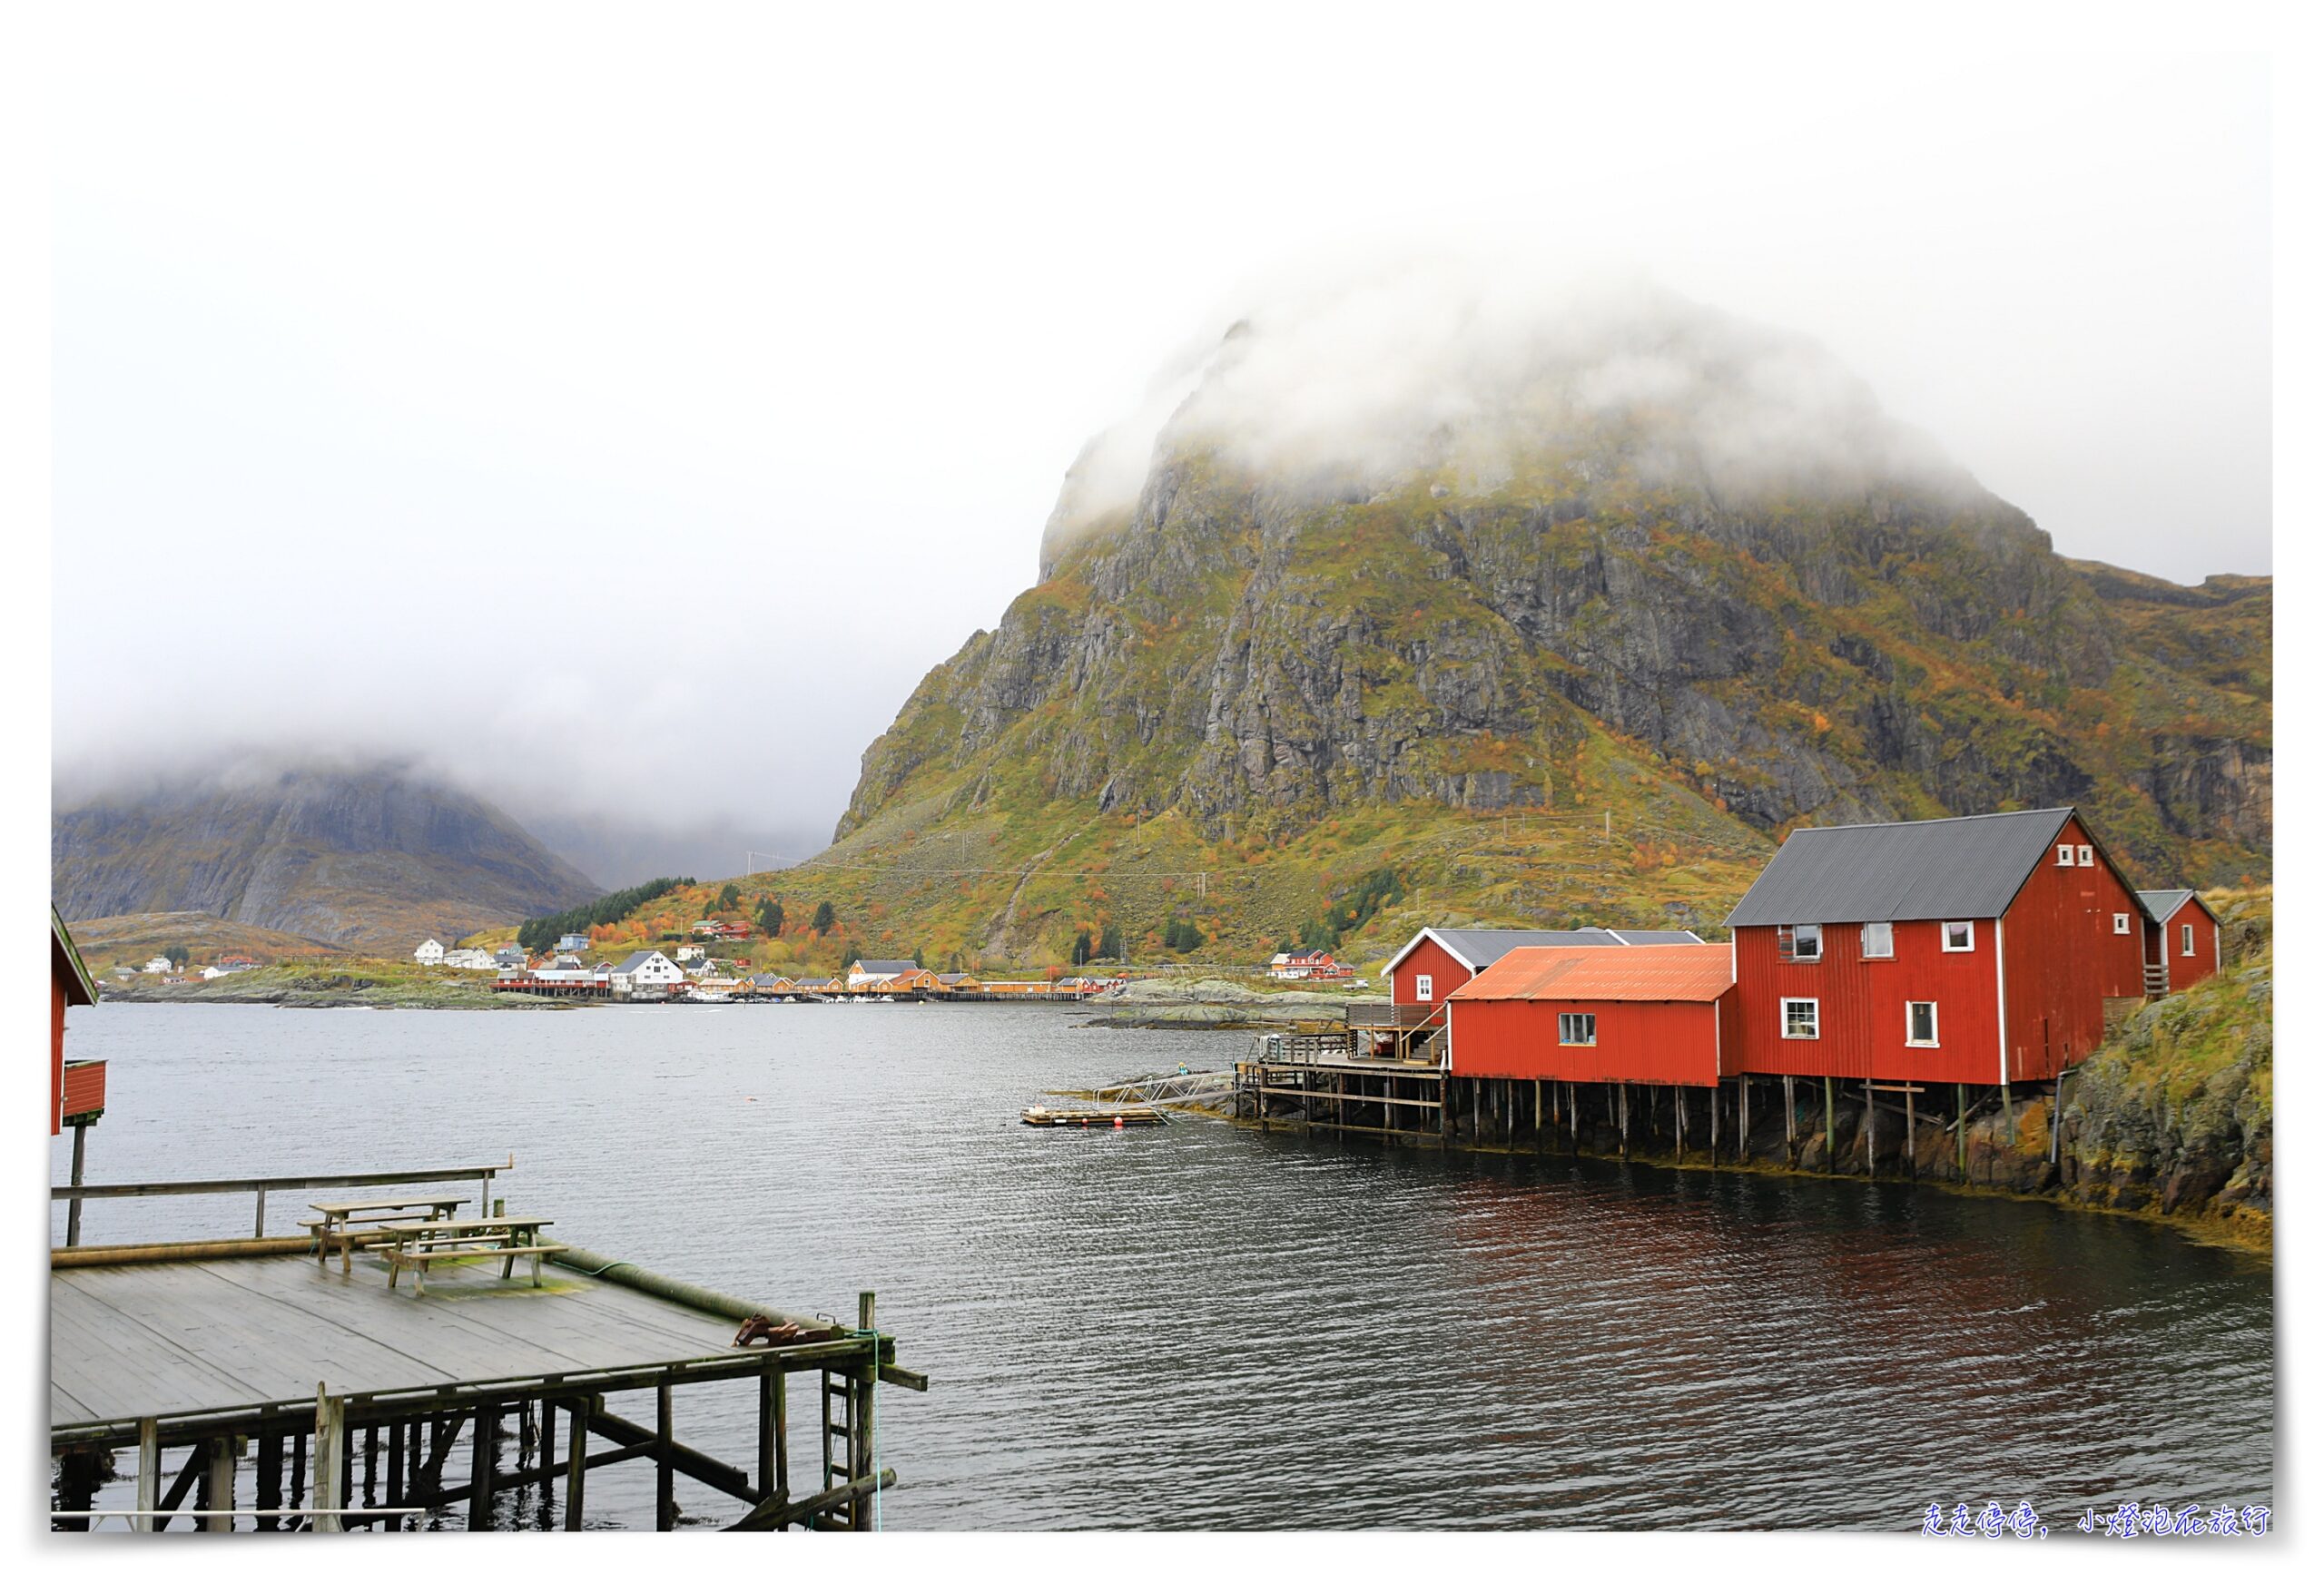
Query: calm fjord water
(1197, 1326)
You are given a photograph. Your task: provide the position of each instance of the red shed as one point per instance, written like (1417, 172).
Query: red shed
(69, 984)
(2182, 936)
(1596, 1014)
(1437, 961)
(1982, 949)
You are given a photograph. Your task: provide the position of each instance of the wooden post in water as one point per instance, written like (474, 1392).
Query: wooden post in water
(298, 1473)
(577, 1462)
(866, 1425)
(270, 1479)
(1960, 1127)
(666, 1472)
(2057, 1113)
(1742, 1119)
(484, 1460)
(1714, 1122)
(2008, 1121)
(1831, 1131)
(395, 1470)
(1912, 1137)
(73, 1210)
(1541, 1139)
(1679, 1117)
(1626, 1120)
(1867, 1126)
(1790, 1118)
(548, 1446)
(149, 1474)
(331, 1466)
(218, 1485)
(371, 1464)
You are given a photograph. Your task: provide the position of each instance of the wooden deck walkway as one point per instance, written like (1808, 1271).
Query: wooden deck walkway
(150, 1341)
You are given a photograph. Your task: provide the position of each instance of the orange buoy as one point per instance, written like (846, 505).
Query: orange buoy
(1117, 1123)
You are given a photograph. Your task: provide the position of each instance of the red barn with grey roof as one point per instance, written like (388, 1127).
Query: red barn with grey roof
(1596, 1014)
(1982, 949)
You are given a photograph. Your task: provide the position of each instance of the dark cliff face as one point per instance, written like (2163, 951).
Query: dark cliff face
(372, 857)
(1232, 647)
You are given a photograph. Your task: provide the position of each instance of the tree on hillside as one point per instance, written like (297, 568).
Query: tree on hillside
(771, 917)
(1110, 943)
(730, 897)
(177, 955)
(1080, 948)
(824, 918)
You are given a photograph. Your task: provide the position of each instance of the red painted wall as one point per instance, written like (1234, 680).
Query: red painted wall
(55, 1055)
(2186, 972)
(1446, 973)
(2063, 962)
(1861, 1005)
(1638, 1041)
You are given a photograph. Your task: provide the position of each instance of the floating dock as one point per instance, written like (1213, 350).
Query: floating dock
(300, 1397)
(1094, 1115)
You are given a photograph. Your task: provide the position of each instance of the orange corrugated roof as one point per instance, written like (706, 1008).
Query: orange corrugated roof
(1604, 973)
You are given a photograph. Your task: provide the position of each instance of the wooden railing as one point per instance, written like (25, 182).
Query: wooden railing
(482, 1175)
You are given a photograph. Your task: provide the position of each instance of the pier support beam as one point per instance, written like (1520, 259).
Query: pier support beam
(149, 1476)
(330, 1460)
(1743, 1120)
(484, 1460)
(1912, 1137)
(576, 1461)
(666, 1474)
(1961, 1128)
(218, 1485)
(1831, 1130)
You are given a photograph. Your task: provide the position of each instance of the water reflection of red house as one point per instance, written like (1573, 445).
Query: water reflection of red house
(80, 1089)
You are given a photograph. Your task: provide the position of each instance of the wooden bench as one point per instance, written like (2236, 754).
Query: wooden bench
(365, 1221)
(417, 1245)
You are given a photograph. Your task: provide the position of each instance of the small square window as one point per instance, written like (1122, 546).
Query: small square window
(1877, 942)
(1800, 942)
(2186, 940)
(1425, 987)
(2065, 856)
(1799, 1019)
(2122, 923)
(1920, 1022)
(1577, 1027)
(1960, 936)
(2081, 856)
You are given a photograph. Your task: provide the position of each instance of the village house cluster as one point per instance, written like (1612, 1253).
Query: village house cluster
(1991, 950)
(692, 973)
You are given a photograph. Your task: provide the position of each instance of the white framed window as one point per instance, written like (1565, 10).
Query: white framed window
(2081, 857)
(1424, 986)
(2065, 856)
(1920, 1022)
(1577, 1027)
(1800, 942)
(1876, 942)
(1799, 1019)
(2122, 923)
(2186, 940)
(1960, 936)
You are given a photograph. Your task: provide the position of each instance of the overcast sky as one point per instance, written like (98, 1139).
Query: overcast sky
(628, 413)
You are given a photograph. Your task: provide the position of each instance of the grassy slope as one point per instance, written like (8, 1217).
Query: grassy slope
(133, 940)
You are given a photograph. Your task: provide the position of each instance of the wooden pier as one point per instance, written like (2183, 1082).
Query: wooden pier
(294, 1394)
(1331, 1084)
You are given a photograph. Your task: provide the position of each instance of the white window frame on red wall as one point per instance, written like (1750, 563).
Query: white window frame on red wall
(1787, 942)
(1887, 953)
(2065, 855)
(1584, 1022)
(1945, 935)
(1929, 1042)
(2122, 923)
(2186, 940)
(2083, 857)
(1815, 1017)
(1424, 986)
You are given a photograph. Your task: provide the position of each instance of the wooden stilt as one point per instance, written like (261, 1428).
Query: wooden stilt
(371, 1464)
(1714, 1121)
(548, 1447)
(666, 1472)
(864, 1519)
(1831, 1130)
(1625, 1121)
(1912, 1137)
(1867, 1126)
(298, 1473)
(218, 1485)
(395, 1470)
(1679, 1117)
(1790, 1117)
(1742, 1120)
(2057, 1113)
(149, 1472)
(1960, 1127)
(331, 1461)
(270, 1479)
(2008, 1121)
(484, 1462)
(577, 1461)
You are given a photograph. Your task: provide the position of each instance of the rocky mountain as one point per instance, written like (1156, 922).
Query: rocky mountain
(1574, 616)
(373, 857)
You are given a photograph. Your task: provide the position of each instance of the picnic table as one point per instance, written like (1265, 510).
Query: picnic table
(344, 1224)
(415, 1244)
